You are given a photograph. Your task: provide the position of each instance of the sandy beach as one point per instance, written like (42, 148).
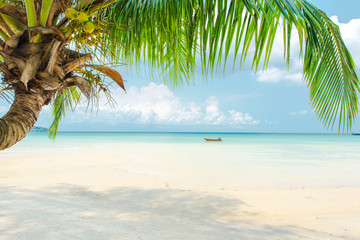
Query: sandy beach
(179, 120)
(132, 195)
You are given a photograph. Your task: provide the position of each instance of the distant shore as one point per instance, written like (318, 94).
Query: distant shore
(39, 129)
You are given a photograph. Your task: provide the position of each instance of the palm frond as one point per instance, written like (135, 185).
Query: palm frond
(31, 13)
(330, 72)
(171, 34)
(175, 36)
(32, 18)
(64, 100)
(3, 35)
(5, 93)
(13, 22)
(45, 10)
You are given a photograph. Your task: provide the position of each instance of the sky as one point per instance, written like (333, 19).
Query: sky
(276, 100)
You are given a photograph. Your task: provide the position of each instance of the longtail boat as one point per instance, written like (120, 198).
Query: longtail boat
(213, 139)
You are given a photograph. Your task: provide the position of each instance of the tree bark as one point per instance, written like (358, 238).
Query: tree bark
(22, 115)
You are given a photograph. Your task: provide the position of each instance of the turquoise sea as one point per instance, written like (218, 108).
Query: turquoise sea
(312, 160)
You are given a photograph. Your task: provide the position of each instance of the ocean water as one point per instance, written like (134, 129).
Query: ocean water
(241, 160)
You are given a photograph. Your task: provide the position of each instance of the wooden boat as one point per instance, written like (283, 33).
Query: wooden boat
(213, 139)
(355, 133)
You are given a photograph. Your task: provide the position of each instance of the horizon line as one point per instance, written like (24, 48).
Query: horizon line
(210, 132)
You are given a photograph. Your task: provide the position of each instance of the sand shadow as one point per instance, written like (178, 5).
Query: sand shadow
(71, 212)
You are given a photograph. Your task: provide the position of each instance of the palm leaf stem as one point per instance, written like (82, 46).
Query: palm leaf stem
(45, 10)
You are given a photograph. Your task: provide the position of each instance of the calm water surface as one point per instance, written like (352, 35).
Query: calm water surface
(287, 147)
(313, 160)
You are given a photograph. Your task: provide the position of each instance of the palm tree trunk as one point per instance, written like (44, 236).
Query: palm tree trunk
(17, 122)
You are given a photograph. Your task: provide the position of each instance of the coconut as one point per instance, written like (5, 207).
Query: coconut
(82, 17)
(71, 13)
(89, 27)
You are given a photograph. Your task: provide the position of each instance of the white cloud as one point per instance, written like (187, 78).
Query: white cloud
(242, 118)
(243, 97)
(303, 112)
(275, 75)
(268, 122)
(213, 113)
(158, 105)
(277, 70)
(153, 103)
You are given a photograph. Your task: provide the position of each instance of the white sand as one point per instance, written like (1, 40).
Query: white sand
(111, 196)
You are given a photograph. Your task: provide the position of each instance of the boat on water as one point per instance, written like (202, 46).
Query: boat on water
(213, 139)
(355, 133)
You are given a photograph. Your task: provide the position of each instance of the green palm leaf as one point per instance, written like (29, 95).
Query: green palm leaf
(331, 74)
(64, 100)
(177, 36)
(172, 34)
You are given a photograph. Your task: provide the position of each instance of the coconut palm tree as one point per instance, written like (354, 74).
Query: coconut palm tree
(54, 51)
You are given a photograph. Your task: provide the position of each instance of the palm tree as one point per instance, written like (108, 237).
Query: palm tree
(54, 51)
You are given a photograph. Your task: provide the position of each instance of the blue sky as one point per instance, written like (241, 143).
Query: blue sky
(239, 101)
